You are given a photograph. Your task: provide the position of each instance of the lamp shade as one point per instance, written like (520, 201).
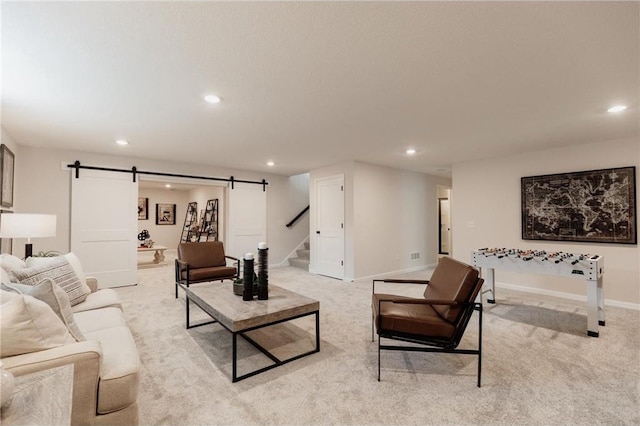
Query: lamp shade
(27, 225)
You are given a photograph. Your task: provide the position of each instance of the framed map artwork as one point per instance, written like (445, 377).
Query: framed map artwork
(597, 206)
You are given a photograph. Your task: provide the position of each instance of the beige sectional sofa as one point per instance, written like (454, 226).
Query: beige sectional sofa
(103, 352)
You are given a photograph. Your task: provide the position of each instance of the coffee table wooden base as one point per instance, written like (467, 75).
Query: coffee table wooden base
(194, 295)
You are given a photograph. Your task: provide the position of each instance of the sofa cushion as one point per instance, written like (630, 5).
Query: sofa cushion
(202, 274)
(29, 325)
(5, 276)
(99, 299)
(120, 374)
(409, 318)
(9, 262)
(57, 299)
(61, 272)
(99, 319)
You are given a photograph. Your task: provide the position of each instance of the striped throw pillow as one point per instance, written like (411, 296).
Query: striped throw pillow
(60, 272)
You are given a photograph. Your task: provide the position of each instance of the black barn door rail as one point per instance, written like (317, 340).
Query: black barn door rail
(134, 171)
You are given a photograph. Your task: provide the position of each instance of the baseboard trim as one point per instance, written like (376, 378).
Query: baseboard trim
(563, 295)
(398, 272)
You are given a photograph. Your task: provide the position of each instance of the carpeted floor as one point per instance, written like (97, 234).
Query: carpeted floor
(539, 366)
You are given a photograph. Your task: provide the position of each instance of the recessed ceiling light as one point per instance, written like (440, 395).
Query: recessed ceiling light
(212, 99)
(617, 108)
(122, 142)
(167, 185)
(410, 151)
(270, 163)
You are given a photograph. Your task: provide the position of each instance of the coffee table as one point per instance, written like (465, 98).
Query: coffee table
(239, 317)
(158, 256)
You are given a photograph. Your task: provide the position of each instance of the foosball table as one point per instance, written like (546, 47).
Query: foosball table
(588, 267)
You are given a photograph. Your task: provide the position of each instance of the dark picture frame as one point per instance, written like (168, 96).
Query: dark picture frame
(7, 167)
(6, 244)
(595, 206)
(165, 214)
(143, 208)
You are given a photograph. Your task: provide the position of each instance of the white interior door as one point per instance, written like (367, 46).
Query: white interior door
(247, 221)
(445, 226)
(329, 232)
(104, 225)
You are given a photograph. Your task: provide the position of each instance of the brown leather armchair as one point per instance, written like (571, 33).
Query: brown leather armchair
(203, 261)
(438, 320)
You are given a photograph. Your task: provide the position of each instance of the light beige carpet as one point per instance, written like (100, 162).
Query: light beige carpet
(539, 366)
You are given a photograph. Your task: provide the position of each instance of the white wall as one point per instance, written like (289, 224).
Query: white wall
(396, 213)
(43, 186)
(486, 212)
(298, 198)
(389, 213)
(164, 235)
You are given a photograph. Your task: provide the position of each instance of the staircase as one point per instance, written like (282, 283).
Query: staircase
(302, 259)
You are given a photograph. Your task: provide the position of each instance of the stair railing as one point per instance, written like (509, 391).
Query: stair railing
(298, 216)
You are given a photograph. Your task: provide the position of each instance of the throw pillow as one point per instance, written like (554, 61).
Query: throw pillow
(29, 325)
(5, 276)
(71, 257)
(57, 299)
(61, 272)
(10, 262)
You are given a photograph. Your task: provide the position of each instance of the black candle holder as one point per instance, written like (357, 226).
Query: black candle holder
(263, 274)
(247, 279)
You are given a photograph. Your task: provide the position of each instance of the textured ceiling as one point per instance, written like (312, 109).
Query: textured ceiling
(308, 84)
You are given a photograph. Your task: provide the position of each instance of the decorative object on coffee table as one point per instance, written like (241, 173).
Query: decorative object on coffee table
(263, 276)
(247, 277)
(145, 237)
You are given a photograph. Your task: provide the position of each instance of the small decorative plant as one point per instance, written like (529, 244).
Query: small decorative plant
(50, 253)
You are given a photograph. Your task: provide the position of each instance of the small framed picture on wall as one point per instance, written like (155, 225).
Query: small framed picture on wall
(143, 208)
(7, 160)
(165, 214)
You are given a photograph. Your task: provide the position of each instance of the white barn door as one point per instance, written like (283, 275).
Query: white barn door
(329, 232)
(104, 225)
(247, 220)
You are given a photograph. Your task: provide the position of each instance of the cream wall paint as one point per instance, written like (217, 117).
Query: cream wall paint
(164, 235)
(389, 213)
(298, 199)
(44, 186)
(486, 213)
(396, 214)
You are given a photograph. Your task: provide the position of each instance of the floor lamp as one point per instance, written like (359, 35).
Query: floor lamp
(27, 225)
